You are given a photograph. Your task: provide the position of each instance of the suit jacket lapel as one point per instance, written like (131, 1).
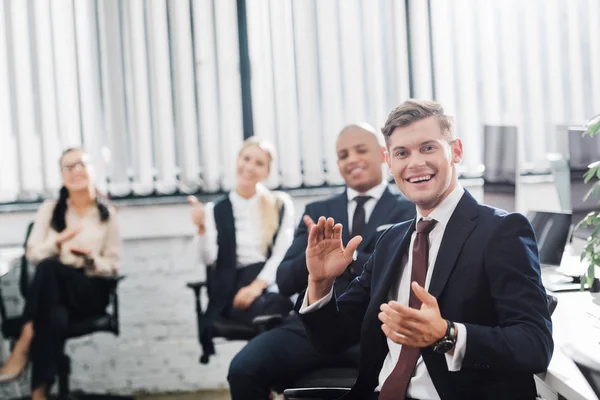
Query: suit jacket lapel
(380, 213)
(339, 212)
(461, 224)
(393, 270)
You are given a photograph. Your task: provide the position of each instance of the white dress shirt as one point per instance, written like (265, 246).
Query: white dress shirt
(247, 219)
(420, 385)
(375, 193)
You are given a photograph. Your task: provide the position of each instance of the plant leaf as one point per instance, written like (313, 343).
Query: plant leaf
(588, 175)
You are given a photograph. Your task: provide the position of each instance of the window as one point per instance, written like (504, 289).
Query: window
(153, 87)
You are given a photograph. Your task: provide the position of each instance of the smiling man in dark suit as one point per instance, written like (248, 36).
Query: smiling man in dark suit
(450, 306)
(367, 208)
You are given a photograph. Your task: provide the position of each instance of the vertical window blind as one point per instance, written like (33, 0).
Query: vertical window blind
(152, 88)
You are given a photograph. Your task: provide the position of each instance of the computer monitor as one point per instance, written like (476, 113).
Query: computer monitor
(552, 232)
(583, 150)
(500, 155)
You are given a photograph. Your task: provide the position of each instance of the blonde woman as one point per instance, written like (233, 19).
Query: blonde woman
(245, 236)
(74, 239)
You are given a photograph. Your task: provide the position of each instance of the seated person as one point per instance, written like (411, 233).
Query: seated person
(245, 236)
(451, 304)
(277, 357)
(73, 239)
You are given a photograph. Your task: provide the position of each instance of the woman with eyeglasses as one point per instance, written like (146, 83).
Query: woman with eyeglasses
(74, 239)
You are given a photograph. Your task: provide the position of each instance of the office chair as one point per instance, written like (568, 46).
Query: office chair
(107, 322)
(232, 330)
(332, 391)
(223, 327)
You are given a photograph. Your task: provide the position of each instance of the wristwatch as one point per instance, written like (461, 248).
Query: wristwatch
(447, 343)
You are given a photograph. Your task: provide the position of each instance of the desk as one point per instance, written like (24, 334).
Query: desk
(576, 319)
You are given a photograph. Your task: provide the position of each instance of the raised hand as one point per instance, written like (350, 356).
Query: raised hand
(197, 214)
(326, 256)
(67, 234)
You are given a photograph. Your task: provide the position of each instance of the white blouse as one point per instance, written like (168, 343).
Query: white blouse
(247, 219)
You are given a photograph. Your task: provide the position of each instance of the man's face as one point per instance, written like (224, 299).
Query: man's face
(359, 158)
(422, 160)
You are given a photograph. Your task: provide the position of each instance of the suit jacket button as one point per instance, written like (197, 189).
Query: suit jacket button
(352, 270)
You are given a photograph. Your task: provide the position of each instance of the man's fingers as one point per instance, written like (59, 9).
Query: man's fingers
(321, 228)
(337, 231)
(393, 336)
(405, 311)
(352, 246)
(399, 325)
(313, 236)
(308, 221)
(329, 228)
(423, 295)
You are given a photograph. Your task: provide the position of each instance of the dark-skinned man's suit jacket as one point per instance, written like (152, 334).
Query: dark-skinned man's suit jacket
(292, 275)
(486, 276)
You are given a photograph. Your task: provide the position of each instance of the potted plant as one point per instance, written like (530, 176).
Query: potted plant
(591, 251)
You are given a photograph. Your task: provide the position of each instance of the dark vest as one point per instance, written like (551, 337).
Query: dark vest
(222, 274)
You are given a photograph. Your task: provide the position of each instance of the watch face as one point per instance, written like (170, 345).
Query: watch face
(445, 346)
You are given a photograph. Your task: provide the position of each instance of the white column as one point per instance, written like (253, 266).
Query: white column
(65, 68)
(286, 105)
(113, 88)
(510, 39)
(50, 140)
(444, 58)
(554, 63)
(162, 101)
(262, 79)
(92, 122)
(593, 36)
(574, 46)
(352, 52)
(140, 119)
(309, 102)
(230, 92)
(28, 140)
(207, 92)
(9, 179)
(331, 84)
(420, 56)
(468, 123)
(400, 76)
(488, 57)
(534, 133)
(374, 56)
(184, 94)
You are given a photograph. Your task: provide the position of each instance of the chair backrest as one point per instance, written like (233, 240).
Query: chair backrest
(24, 272)
(552, 232)
(552, 303)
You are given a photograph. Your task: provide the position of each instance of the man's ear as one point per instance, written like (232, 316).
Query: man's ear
(457, 151)
(388, 159)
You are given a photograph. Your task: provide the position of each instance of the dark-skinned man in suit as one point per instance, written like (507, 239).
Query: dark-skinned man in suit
(275, 358)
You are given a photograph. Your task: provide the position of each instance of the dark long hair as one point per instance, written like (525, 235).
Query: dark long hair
(58, 222)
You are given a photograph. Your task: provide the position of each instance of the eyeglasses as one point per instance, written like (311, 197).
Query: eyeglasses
(76, 166)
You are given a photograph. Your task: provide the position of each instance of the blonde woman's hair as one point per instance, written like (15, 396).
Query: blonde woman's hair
(270, 203)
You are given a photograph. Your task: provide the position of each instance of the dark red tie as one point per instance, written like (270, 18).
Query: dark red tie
(394, 387)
